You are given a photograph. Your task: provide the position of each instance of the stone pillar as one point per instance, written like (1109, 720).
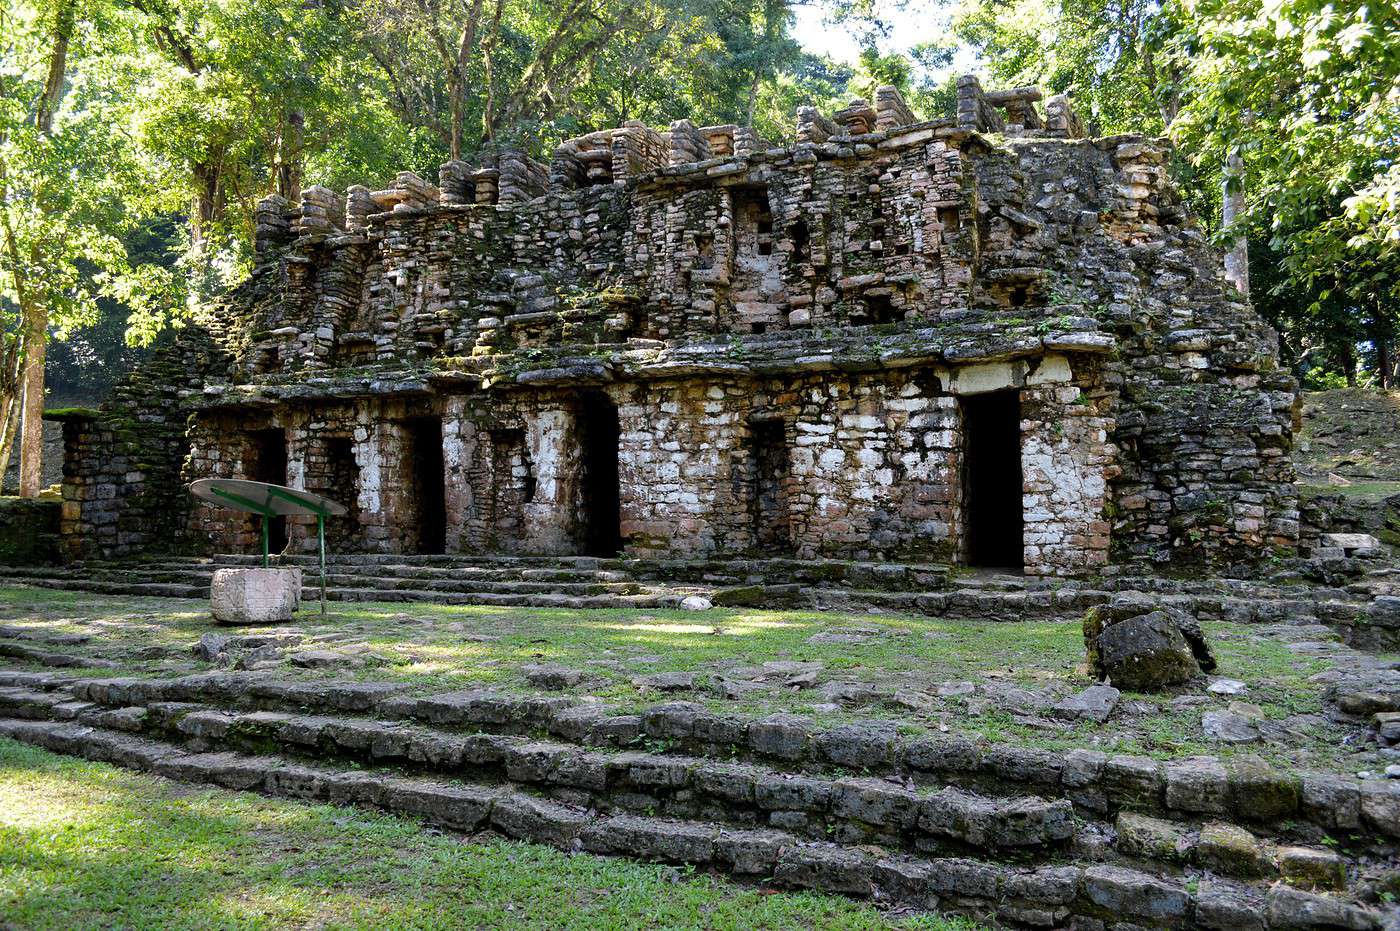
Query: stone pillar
(974, 111)
(454, 181)
(1066, 462)
(459, 455)
(550, 517)
(273, 224)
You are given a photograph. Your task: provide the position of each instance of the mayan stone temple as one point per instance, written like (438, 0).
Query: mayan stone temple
(938, 483)
(895, 341)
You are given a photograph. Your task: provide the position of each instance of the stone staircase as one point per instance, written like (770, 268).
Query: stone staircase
(1003, 833)
(1364, 608)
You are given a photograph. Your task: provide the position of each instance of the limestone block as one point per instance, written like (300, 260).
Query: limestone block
(1349, 542)
(255, 596)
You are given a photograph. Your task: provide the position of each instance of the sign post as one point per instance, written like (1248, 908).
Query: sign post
(269, 501)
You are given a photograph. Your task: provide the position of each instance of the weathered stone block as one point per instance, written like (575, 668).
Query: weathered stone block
(255, 596)
(1141, 654)
(1232, 851)
(1127, 893)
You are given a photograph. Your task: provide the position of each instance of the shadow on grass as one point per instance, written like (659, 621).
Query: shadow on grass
(88, 845)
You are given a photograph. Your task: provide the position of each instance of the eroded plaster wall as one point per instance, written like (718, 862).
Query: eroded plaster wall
(867, 466)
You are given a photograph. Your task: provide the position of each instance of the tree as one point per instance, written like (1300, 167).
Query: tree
(33, 308)
(63, 176)
(1307, 93)
(1113, 56)
(478, 72)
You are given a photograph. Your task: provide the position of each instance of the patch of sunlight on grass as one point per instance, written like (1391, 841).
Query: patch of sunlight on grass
(662, 628)
(110, 848)
(753, 622)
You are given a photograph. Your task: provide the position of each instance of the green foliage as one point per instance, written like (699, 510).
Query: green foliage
(1308, 93)
(62, 192)
(1108, 55)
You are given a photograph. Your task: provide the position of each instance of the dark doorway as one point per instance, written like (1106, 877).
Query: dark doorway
(600, 499)
(267, 462)
(992, 513)
(342, 484)
(768, 455)
(423, 470)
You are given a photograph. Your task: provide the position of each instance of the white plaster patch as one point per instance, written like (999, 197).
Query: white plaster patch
(987, 376)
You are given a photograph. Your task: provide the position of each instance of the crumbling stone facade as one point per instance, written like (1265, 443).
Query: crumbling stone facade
(688, 343)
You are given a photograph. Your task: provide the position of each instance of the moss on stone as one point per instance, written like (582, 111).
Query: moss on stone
(29, 530)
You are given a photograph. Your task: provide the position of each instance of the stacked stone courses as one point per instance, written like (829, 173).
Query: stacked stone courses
(777, 346)
(1014, 836)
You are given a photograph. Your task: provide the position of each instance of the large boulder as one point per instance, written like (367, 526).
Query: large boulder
(255, 596)
(1145, 651)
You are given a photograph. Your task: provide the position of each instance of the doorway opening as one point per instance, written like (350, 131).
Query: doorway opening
(768, 455)
(423, 470)
(599, 491)
(342, 484)
(267, 462)
(993, 520)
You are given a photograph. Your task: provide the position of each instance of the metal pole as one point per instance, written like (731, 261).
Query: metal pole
(321, 537)
(264, 536)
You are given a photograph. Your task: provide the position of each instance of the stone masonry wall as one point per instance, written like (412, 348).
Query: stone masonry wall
(785, 334)
(871, 466)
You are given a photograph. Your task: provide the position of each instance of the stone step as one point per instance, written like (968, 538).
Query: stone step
(832, 573)
(1228, 850)
(475, 586)
(438, 580)
(726, 572)
(55, 659)
(888, 812)
(539, 600)
(1013, 895)
(545, 597)
(852, 810)
(361, 584)
(189, 572)
(78, 583)
(1195, 790)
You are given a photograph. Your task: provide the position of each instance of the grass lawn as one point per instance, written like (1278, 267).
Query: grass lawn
(87, 845)
(1013, 664)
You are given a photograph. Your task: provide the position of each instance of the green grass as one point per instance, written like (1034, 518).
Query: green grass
(87, 845)
(1359, 489)
(434, 648)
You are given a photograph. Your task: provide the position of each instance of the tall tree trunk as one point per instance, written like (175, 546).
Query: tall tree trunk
(458, 118)
(31, 444)
(289, 159)
(58, 68)
(9, 411)
(9, 420)
(206, 201)
(34, 316)
(1381, 332)
(774, 13)
(1231, 212)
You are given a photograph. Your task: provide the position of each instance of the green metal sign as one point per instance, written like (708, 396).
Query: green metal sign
(270, 501)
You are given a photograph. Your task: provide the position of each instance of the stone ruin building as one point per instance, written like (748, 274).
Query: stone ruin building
(983, 341)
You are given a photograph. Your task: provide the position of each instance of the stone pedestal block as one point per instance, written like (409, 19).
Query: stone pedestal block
(255, 596)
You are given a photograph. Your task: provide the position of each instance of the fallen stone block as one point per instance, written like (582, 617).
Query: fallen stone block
(255, 596)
